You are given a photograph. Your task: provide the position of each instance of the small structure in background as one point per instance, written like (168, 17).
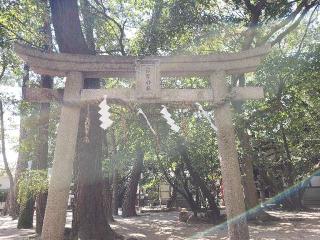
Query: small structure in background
(184, 215)
(311, 195)
(166, 195)
(4, 189)
(165, 192)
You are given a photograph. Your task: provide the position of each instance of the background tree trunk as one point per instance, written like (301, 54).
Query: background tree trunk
(115, 176)
(172, 202)
(11, 208)
(22, 156)
(43, 128)
(129, 203)
(42, 152)
(108, 198)
(251, 197)
(248, 182)
(115, 192)
(26, 213)
(93, 223)
(250, 33)
(181, 186)
(200, 183)
(292, 200)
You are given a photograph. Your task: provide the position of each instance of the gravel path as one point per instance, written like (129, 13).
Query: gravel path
(165, 226)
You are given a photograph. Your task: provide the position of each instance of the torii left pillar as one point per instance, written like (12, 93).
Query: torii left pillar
(64, 155)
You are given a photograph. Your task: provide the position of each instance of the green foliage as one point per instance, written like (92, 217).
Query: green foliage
(161, 27)
(290, 110)
(31, 183)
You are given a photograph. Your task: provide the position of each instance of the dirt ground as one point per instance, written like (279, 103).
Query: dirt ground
(165, 226)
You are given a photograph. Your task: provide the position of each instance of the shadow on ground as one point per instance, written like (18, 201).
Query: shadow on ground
(165, 226)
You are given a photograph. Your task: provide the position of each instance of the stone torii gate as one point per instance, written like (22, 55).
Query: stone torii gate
(147, 73)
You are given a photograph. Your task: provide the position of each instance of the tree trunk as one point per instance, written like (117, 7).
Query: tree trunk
(22, 157)
(75, 212)
(292, 200)
(129, 203)
(151, 38)
(108, 198)
(42, 152)
(249, 185)
(26, 214)
(250, 34)
(26, 211)
(93, 223)
(11, 208)
(172, 202)
(115, 192)
(115, 176)
(250, 190)
(43, 128)
(182, 190)
(248, 182)
(200, 183)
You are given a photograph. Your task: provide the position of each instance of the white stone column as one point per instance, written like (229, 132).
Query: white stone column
(233, 191)
(64, 155)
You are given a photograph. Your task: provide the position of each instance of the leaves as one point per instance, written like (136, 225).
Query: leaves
(289, 76)
(31, 183)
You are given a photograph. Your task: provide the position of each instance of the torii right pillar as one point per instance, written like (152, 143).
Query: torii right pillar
(230, 169)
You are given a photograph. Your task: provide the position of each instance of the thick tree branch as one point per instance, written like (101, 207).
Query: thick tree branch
(6, 164)
(291, 27)
(255, 13)
(306, 31)
(249, 5)
(286, 21)
(3, 146)
(3, 67)
(121, 27)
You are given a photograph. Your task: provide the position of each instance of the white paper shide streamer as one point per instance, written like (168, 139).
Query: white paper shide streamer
(166, 115)
(145, 117)
(206, 115)
(106, 122)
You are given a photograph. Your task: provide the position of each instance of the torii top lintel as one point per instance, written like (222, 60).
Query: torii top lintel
(146, 70)
(59, 64)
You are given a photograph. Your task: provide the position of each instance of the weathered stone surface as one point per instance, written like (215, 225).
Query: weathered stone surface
(88, 66)
(109, 66)
(127, 95)
(64, 156)
(230, 169)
